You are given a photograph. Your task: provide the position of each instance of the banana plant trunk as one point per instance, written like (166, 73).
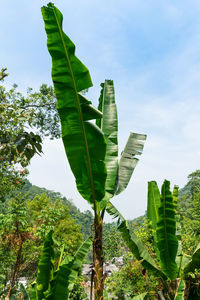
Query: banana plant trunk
(98, 259)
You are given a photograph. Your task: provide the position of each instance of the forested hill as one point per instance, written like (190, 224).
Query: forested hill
(85, 219)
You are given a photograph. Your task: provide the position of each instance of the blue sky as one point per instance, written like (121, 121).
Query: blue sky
(151, 49)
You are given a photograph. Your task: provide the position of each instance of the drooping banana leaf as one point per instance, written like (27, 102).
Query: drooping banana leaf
(194, 263)
(109, 125)
(180, 290)
(64, 278)
(135, 245)
(128, 161)
(138, 249)
(84, 142)
(167, 242)
(140, 297)
(153, 206)
(45, 267)
(112, 211)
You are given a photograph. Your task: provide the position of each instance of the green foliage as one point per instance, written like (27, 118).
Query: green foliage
(58, 285)
(140, 297)
(84, 219)
(132, 280)
(113, 242)
(135, 245)
(91, 152)
(23, 226)
(45, 267)
(84, 142)
(25, 120)
(109, 125)
(167, 242)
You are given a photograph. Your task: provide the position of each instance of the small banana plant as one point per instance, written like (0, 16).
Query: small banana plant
(57, 283)
(171, 265)
(51, 283)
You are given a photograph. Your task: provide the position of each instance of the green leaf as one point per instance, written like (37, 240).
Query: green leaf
(45, 267)
(135, 245)
(180, 290)
(63, 281)
(153, 205)
(167, 242)
(33, 291)
(112, 210)
(140, 297)
(105, 295)
(84, 142)
(128, 161)
(109, 126)
(194, 263)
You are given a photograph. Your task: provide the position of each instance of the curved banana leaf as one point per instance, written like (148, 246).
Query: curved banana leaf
(128, 161)
(140, 297)
(194, 263)
(180, 290)
(84, 142)
(45, 267)
(135, 245)
(109, 125)
(112, 210)
(65, 276)
(152, 206)
(167, 242)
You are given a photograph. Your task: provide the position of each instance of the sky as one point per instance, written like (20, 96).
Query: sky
(151, 49)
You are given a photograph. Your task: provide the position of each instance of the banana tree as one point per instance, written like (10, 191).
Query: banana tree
(172, 266)
(91, 149)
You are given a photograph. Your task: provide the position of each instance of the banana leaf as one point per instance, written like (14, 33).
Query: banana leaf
(135, 245)
(45, 267)
(152, 207)
(194, 263)
(112, 211)
(181, 258)
(109, 125)
(180, 290)
(167, 242)
(128, 161)
(64, 278)
(84, 142)
(140, 297)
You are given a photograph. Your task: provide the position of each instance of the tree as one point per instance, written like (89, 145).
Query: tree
(25, 121)
(92, 150)
(23, 228)
(112, 241)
